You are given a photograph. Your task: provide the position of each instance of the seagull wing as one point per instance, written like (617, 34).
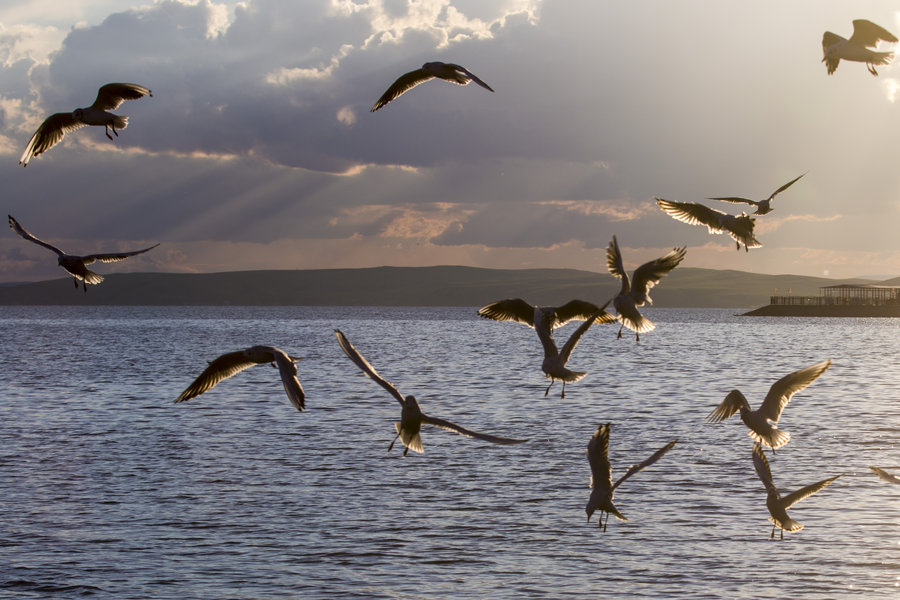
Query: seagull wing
(761, 466)
(598, 458)
(885, 476)
(694, 213)
(573, 340)
(114, 257)
(783, 390)
(785, 186)
(868, 34)
(22, 232)
(288, 371)
(643, 465)
(223, 367)
(472, 76)
(511, 309)
(614, 260)
(736, 200)
(648, 274)
(112, 95)
(730, 405)
(50, 133)
(443, 424)
(795, 497)
(578, 310)
(403, 84)
(364, 365)
(828, 40)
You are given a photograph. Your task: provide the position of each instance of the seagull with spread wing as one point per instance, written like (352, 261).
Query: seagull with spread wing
(763, 207)
(232, 363)
(866, 35)
(763, 422)
(602, 486)
(73, 263)
(635, 292)
(54, 128)
(446, 71)
(411, 416)
(777, 504)
(739, 227)
(544, 319)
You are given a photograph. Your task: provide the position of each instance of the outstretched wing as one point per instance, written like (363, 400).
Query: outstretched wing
(364, 365)
(494, 439)
(648, 274)
(577, 310)
(472, 76)
(573, 340)
(693, 213)
(223, 367)
(112, 95)
(511, 309)
(643, 465)
(784, 389)
(598, 458)
(288, 371)
(22, 232)
(795, 497)
(868, 34)
(403, 84)
(761, 466)
(785, 186)
(50, 133)
(736, 200)
(885, 476)
(730, 405)
(114, 257)
(614, 260)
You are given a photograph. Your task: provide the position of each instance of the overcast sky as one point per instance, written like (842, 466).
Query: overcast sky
(258, 150)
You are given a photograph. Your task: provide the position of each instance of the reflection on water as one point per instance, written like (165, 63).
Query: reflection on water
(110, 489)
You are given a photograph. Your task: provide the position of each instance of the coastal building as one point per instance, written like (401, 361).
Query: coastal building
(837, 301)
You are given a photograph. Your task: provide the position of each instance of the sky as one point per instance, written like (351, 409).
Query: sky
(258, 150)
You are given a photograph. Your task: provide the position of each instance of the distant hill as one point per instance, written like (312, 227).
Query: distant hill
(410, 286)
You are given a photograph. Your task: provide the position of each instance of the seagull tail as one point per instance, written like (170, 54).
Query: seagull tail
(638, 324)
(91, 277)
(120, 122)
(790, 525)
(776, 438)
(413, 442)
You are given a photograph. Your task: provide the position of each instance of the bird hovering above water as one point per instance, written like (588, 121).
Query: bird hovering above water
(233, 363)
(739, 227)
(411, 416)
(73, 263)
(763, 207)
(55, 127)
(636, 292)
(866, 35)
(763, 422)
(544, 319)
(446, 71)
(602, 486)
(777, 504)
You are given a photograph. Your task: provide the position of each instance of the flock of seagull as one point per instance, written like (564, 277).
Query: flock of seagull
(762, 423)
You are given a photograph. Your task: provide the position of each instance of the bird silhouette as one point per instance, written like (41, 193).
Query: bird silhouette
(777, 504)
(866, 35)
(885, 476)
(739, 227)
(763, 207)
(233, 363)
(411, 416)
(602, 486)
(543, 319)
(636, 291)
(73, 263)
(430, 70)
(763, 422)
(55, 127)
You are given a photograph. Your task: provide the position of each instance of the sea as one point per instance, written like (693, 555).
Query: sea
(108, 489)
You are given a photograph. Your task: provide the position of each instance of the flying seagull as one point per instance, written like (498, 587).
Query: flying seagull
(602, 487)
(446, 71)
(885, 476)
(866, 35)
(233, 363)
(763, 207)
(777, 504)
(636, 292)
(75, 264)
(543, 319)
(763, 422)
(411, 416)
(55, 127)
(739, 227)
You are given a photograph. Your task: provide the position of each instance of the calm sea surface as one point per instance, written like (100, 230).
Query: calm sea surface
(109, 490)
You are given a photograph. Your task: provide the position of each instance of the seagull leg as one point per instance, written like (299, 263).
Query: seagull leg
(547, 391)
(606, 522)
(392, 443)
(75, 279)
(618, 337)
(772, 537)
(107, 132)
(563, 394)
(637, 336)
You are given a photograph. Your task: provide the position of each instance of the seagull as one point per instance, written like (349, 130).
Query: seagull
(739, 227)
(602, 487)
(54, 128)
(446, 71)
(866, 34)
(411, 416)
(75, 264)
(885, 476)
(543, 319)
(636, 292)
(763, 422)
(233, 363)
(763, 207)
(774, 502)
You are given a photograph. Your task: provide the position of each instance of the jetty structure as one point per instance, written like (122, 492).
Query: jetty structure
(844, 300)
